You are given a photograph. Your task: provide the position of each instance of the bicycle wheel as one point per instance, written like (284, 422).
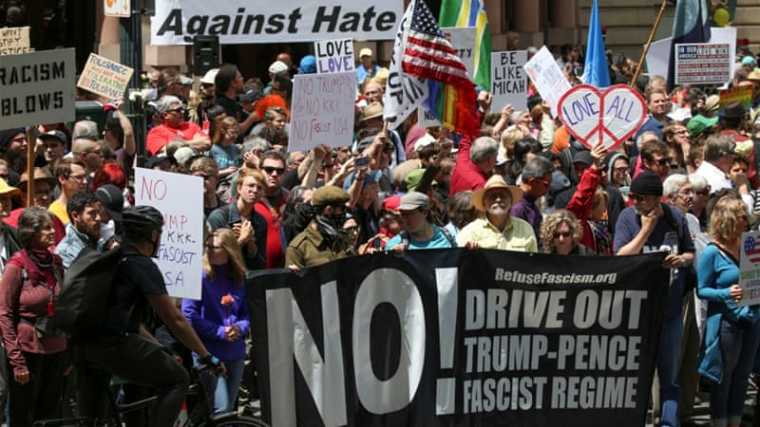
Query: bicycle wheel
(236, 420)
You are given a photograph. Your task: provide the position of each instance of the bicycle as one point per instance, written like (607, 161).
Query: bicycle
(200, 414)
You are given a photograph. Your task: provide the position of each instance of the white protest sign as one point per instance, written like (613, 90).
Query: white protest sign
(14, 41)
(509, 83)
(282, 21)
(37, 88)
(105, 77)
(612, 115)
(749, 264)
(702, 63)
(547, 77)
(334, 56)
(403, 93)
(322, 111)
(179, 197)
(426, 119)
(117, 8)
(659, 52)
(463, 40)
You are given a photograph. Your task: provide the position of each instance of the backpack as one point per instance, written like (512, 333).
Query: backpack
(81, 308)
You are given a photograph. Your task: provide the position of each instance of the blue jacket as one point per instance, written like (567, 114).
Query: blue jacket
(716, 273)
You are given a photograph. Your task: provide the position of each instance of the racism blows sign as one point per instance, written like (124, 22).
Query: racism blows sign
(459, 338)
(239, 21)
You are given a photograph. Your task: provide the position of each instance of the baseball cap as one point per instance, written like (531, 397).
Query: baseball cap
(365, 52)
(111, 197)
(413, 200)
(210, 76)
(54, 134)
(278, 67)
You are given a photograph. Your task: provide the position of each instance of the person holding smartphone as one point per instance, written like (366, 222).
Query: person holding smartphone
(652, 226)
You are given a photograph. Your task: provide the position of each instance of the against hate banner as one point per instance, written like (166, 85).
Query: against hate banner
(334, 56)
(322, 111)
(283, 21)
(459, 338)
(509, 83)
(180, 199)
(104, 77)
(37, 88)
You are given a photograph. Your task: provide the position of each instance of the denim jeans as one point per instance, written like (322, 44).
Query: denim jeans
(227, 387)
(739, 344)
(668, 364)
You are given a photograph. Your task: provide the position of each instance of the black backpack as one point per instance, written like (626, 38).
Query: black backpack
(82, 306)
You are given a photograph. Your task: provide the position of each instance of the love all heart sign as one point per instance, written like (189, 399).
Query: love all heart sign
(611, 115)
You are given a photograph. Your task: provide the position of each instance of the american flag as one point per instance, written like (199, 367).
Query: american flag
(752, 249)
(428, 54)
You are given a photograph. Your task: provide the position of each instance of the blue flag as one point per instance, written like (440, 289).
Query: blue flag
(595, 71)
(691, 25)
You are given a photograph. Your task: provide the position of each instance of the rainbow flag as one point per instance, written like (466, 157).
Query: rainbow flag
(471, 13)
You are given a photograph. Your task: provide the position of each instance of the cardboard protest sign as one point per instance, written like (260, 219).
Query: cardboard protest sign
(104, 77)
(117, 8)
(322, 111)
(741, 94)
(611, 115)
(179, 197)
(14, 41)
(659, 52)
(334, 56)
(426, 119)
(282, 21)
(749, 264)
(37, 88)
(463, 40)
(459, 338)
(702, 63)
(509, 83)
(548, 78)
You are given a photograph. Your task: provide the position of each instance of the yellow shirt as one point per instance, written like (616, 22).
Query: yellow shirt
(517, 236)
(59, 209)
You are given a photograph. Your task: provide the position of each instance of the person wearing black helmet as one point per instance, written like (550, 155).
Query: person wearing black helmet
(125, 347)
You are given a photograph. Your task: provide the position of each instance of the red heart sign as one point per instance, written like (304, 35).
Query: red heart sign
(612, 115)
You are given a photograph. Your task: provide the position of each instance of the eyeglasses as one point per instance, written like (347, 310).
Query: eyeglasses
(620, 169)
(270, 169)
(565, 234)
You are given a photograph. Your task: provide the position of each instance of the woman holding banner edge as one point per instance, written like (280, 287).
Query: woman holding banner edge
(732, 332)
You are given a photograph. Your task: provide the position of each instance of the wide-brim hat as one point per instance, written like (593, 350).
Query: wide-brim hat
(40, 174)
(494, 182)
(7, 190)
(372, 111)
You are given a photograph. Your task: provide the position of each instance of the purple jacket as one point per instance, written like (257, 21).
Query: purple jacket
(209, 317)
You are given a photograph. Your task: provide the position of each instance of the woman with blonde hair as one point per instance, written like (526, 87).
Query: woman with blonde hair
(561, 234)
(732, 331)
(222, 318)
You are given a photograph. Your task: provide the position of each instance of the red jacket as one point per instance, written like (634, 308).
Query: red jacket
(466, 176)
(582, 203)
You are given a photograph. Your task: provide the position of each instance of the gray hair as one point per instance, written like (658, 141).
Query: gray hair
(166, 102)
(537, 167)
(673, 183)
(85, 129)
(256, 143)
(698, 182)
(31, 222)
(644, 135)
(718, 146)
(483, 148)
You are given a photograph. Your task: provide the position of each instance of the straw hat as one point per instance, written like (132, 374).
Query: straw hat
(7, 190)
(496, 181)
(40, 174)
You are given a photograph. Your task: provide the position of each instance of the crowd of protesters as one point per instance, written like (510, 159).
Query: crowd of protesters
(687, 184)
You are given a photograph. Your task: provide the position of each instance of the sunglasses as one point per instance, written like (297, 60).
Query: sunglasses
(565, 234)
(664, 161)
(270, 169)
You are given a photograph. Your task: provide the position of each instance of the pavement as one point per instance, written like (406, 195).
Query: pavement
(701, 416)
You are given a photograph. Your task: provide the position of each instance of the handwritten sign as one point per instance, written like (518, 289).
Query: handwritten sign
(104, 77)
(334, 56)
(180, 199)
(611, 116)
(117, 8)
(741, 94)
(14, 41)
(749, 264)
(462, 39)
(546, 75)
(509, 83)
(426, 119)
(37, 88)
(322, 111)
(703, 63)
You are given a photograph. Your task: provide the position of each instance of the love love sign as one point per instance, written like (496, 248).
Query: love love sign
(334, 56)
(611, 115)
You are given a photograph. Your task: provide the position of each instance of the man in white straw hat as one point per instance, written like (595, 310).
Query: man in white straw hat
(496, 228)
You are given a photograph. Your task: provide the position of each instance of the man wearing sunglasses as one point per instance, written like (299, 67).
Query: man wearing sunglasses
(655, 157)
(174, 127)
(651, 226)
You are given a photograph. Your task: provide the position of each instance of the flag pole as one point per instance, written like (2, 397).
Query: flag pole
(649, 43)
(31, 150)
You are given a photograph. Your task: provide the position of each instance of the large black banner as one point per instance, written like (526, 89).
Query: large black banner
(459, 338)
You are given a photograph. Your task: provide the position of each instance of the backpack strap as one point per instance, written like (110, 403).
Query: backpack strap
(449, 237)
